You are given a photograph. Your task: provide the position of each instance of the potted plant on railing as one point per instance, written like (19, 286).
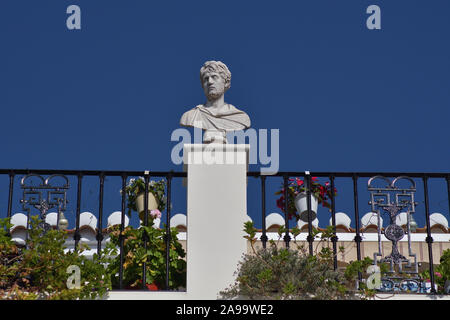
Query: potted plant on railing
(135, 192)
(153, 254)
(297, 198)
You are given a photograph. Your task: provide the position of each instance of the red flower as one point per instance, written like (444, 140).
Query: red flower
(280, 203)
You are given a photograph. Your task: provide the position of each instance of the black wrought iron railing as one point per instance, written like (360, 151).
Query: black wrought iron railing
(355, 176)
(79, 175)
(38, 199)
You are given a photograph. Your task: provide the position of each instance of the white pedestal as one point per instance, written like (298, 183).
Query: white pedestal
(216, 212)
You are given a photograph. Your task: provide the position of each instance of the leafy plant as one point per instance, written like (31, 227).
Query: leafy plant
(137, 186)
(296, 186)
(441, 273)
(39, 270)
(275, 273)
(154, 256)
(444, 266)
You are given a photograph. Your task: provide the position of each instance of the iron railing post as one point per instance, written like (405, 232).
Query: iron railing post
(287, 237)
(122, 227)
(76, 235)
(145, 222)
(168, 239)
(263, 211)
(448, 191)
(357, 238)
(10, 195)
(310, 237)
(429, 238)
(99, 236)
(334, 239)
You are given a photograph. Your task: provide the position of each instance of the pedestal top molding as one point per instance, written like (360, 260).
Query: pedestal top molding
(216, 154)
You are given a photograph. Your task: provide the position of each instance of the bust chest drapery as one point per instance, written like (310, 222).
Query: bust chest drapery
(228, 118)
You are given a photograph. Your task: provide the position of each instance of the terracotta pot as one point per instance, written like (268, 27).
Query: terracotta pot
(301, 204)
(150, 286)
(152, 204)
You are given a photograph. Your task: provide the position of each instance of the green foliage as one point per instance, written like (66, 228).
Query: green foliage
(39, 271)
(441, 272)
(154, 256)
(137, 186)
(356, 267)
(275, 273)
(444, 266)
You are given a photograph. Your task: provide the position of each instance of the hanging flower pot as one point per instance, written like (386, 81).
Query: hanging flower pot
(152, 204)
(297, 199)
(135, 191)
(301, 203)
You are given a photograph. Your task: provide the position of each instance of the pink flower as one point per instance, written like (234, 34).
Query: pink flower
(438, 274)
(155, 214)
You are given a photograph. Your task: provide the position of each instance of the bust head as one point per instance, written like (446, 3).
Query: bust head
(215, 116)
(215, 79)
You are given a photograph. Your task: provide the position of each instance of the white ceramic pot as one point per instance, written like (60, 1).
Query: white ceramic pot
(301, 204)
(152, 204)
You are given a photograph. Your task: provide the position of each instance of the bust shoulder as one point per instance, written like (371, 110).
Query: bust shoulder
(188, 117)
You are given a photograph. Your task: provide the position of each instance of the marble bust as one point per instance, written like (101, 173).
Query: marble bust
(216, 116)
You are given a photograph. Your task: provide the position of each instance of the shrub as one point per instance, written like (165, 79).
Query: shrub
(275, 273)
(39, 270)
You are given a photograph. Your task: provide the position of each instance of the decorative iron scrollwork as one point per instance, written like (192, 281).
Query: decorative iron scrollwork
(392, 200)
(44, 196)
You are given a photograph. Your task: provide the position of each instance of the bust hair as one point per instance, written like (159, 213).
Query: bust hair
(218, 67)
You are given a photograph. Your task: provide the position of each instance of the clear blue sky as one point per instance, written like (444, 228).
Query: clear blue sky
(344, 98)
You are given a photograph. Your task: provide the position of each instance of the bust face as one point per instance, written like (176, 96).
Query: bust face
(213, 85)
